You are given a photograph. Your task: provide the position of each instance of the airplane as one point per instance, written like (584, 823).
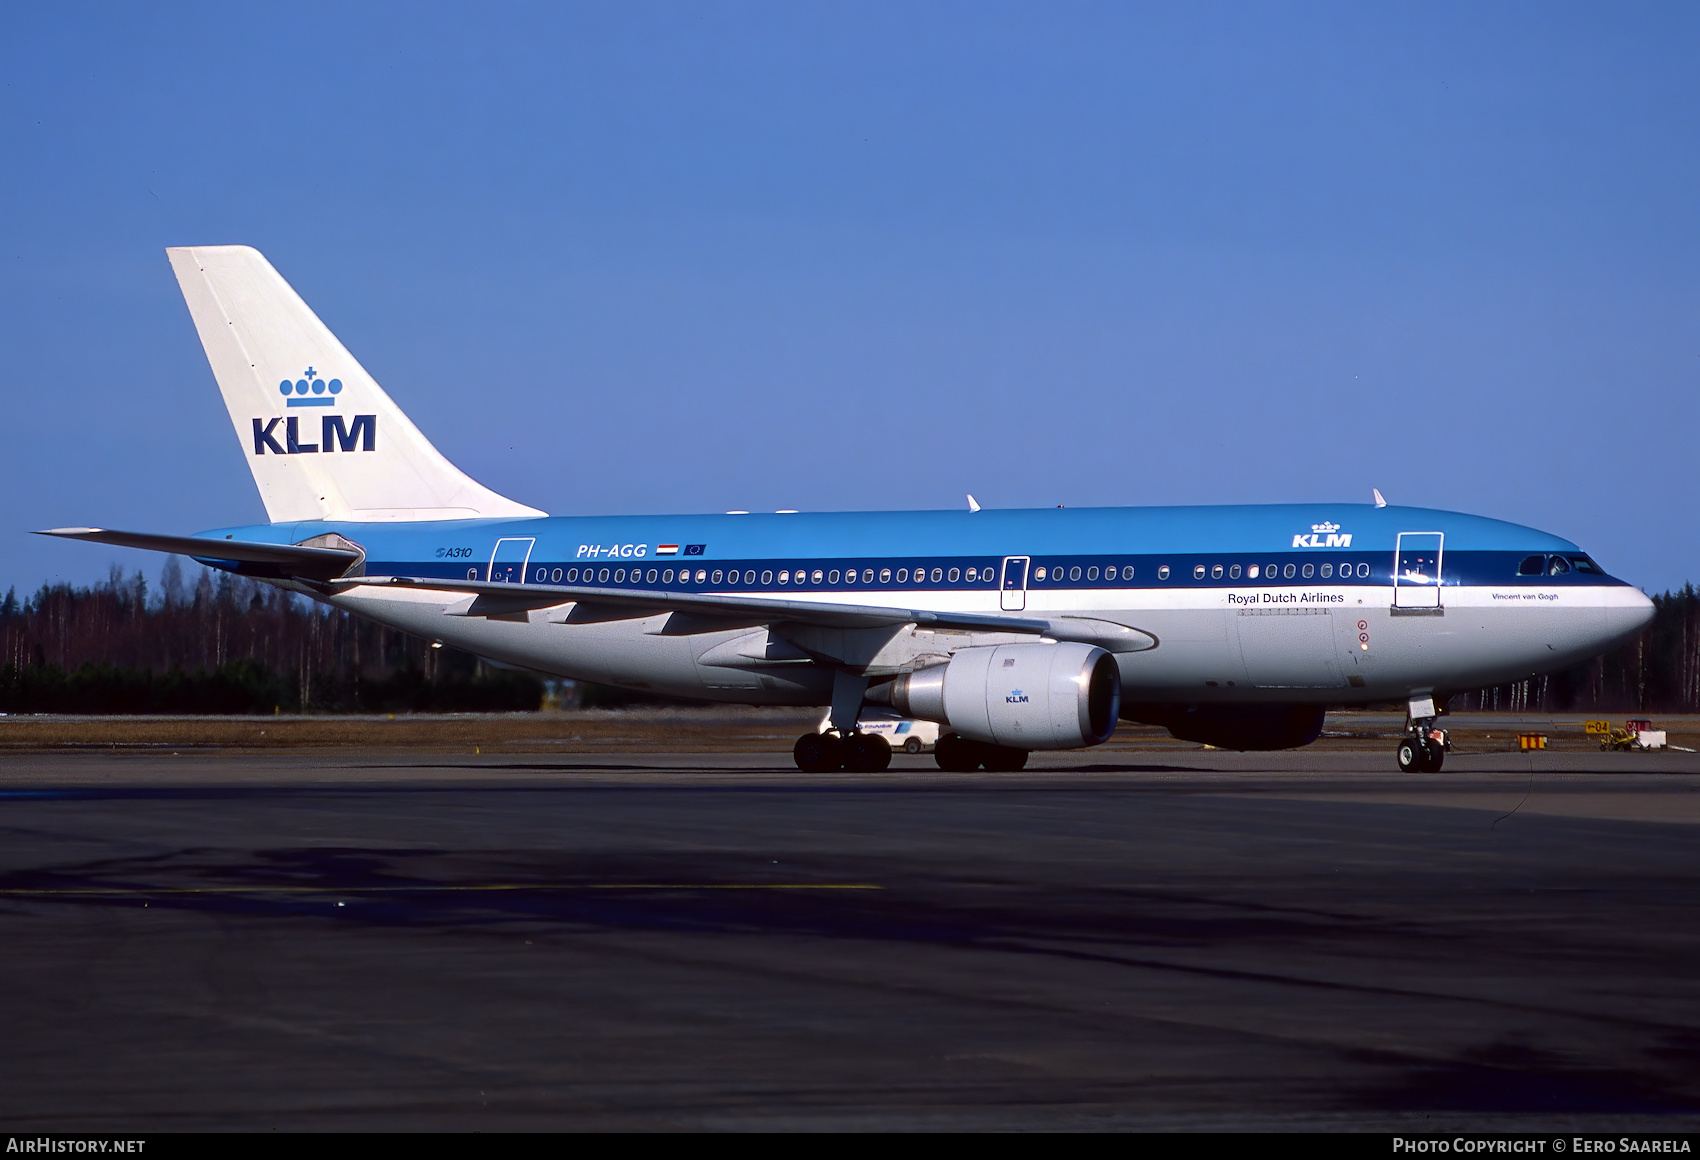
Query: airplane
(1015, 630)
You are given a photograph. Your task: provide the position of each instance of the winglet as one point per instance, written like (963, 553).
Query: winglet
(973, 504)
(1376, 492)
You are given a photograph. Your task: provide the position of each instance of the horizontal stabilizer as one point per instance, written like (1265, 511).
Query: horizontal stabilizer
(293, 559)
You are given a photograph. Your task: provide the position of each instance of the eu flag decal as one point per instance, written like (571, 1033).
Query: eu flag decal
(695, 549)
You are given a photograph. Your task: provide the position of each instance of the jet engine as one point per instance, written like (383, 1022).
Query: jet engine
(1244, 727)
(1021, 696)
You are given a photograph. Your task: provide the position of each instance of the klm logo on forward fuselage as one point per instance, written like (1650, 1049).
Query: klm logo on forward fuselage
(359, 434)
(1324, 535)
(1016, 697)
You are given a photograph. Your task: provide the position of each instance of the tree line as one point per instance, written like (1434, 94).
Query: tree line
(227, 644)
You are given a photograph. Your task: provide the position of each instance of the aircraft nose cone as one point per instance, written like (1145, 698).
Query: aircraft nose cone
(1630, 616)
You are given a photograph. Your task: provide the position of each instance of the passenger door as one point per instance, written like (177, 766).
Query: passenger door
(508, 561)
(1014, 586)
(1416, 570)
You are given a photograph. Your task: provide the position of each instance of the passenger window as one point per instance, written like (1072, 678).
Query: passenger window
(785, 577)
(867, 575)
(954, 573)
(832, 576)
(667, 576)
(1272, 572)
(903, 575)
(766, 578)
(1327, 571)
(650, 577)
(572, 575)
(971, 575)
(1363, 571)
(1074, 572)
(1092, 572)
(1558, 567)
(885, 575)
(938, 575)
(750, 577)
(602, 576)
(818, 576)
(1216, 571)
(1532, 566)
(1127, 572)
(1039, 573)
(1233, 572)
(702, 575)
(1308, 570)
(1163, 572)
(1198, 571)
(1251, 572)
(472, 573)
(556, 575)
(1287, 572)
(717, 575)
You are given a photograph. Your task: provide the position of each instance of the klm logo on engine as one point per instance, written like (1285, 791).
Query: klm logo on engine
(360, 433)
(1016, 697)
(1324, 535)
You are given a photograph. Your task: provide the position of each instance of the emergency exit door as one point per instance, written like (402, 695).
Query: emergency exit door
(1416, 569)
(508, 561)
(1014, 596)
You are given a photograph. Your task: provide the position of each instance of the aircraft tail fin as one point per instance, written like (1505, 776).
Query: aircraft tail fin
(322, 438)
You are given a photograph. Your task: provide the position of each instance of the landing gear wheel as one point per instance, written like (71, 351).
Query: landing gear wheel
(1002, 759)
(913, 746)
(866, 753)
(818, 753)
(1434, 756)
(956, 754)
(1410, 756)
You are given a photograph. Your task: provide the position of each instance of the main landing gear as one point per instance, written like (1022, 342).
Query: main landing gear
(827, 752)
(960, 755)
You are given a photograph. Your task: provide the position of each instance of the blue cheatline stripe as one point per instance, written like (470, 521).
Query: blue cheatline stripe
(1099, 571)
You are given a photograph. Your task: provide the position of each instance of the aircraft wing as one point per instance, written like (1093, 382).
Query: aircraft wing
(618, 603)
(296, 560)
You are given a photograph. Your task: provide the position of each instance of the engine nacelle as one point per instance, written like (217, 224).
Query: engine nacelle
(1023, 696)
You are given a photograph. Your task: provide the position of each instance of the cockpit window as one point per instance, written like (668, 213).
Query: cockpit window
(1532, 566)
(1558, 566)
(1585, 564)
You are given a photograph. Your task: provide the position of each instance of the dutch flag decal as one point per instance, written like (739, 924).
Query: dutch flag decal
(667, 549)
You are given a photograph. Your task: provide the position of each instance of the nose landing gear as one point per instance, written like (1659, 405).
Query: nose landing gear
(1421, 754)
(1424, 747)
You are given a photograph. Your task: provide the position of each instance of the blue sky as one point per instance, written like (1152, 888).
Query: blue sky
(628, 257)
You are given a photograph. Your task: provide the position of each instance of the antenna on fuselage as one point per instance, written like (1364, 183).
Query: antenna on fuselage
(1376, 492)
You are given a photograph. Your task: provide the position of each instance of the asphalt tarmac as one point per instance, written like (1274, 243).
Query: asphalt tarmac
(376, 941)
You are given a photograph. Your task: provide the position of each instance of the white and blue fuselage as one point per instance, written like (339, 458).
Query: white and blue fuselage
(1219, 604)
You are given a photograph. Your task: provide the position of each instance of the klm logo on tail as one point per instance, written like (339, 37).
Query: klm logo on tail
(311, 383)
(361, 434)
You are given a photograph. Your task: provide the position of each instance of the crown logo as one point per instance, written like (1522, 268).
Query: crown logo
(310, 390)
(1324, 528)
